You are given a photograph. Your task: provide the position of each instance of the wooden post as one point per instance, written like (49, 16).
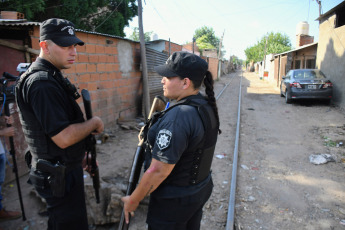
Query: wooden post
(146, 90)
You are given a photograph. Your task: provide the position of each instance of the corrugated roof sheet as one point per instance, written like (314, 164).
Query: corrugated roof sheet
(17, 22)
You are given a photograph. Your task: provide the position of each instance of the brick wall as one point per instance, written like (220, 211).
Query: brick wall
(173, 47)
(302, 40)
(213, 66)
(108, 68)
(189, 46)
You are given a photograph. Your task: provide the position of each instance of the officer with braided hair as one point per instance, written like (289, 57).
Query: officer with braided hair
(180, 146)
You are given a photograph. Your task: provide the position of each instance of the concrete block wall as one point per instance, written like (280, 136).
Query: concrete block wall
(108, 68)
(331, 56)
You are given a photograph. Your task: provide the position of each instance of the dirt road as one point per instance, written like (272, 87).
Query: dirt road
(277, 185)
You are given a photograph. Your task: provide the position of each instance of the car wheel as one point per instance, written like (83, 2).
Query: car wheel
(328, 101)
(287, 97)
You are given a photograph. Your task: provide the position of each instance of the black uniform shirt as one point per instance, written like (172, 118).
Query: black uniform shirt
(54, 109)
(49, 103)
(179, 130)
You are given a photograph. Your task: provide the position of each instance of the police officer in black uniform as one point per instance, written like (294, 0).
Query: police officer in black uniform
(54, 127)
(181, 142)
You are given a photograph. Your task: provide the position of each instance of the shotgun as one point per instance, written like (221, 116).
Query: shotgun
(138, 160)
(91, 146)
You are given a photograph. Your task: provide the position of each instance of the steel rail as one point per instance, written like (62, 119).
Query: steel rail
(231, 208)
(220, 93)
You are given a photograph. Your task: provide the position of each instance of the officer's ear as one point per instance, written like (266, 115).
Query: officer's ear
(186, 83)
(44, 46)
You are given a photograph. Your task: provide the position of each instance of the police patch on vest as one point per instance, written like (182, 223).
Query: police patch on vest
(163, 139)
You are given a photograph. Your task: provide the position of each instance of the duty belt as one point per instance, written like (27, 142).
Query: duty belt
(68, 167)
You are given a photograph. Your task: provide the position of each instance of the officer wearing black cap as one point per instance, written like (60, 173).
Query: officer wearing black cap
(181, 143)
(54, 126)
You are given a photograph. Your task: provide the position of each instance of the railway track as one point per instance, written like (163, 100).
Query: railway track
(230, 222)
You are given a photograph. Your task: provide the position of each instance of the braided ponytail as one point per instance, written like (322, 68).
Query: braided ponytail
(208, 82)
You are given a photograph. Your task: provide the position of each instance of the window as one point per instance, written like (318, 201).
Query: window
(310, 64)
(297, 64)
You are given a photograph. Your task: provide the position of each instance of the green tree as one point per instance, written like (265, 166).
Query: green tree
(135, 35)
(276, 43)
(29, 9)
(103, 16)
(206, 39)
(203, 42)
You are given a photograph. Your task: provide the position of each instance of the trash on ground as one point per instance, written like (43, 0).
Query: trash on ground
(244, 167)
(321, 158)
(221, 156)
(249, 199)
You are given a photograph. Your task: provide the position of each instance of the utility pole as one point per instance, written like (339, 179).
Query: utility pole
(193, 43)
(146, 90)
(319, 2)
(265, 54)
(219, 52)
(220, 45)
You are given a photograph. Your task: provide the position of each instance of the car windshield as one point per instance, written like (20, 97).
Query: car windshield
(308, 74)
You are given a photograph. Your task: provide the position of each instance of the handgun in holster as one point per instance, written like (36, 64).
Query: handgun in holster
(56, 178)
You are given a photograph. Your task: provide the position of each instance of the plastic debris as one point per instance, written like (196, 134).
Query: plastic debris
(249, 199)
(342, 222)
(221, 156)
(321, 159)
(244, 167)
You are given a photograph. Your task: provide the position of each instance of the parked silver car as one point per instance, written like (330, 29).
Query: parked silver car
(306, 84)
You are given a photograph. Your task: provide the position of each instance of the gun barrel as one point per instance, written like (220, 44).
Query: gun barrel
(92, 148)
(158, 105)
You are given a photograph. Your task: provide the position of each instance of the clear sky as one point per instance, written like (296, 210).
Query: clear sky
(243, 22)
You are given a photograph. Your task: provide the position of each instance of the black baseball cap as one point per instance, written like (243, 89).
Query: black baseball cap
(60, 31)
(183, 64)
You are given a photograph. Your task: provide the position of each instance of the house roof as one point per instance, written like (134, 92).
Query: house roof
(160, 40)
(331, 11)
(299, 48)
(17, 22)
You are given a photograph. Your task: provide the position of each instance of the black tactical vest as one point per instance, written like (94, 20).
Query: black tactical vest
(40, 144)
(194, 166)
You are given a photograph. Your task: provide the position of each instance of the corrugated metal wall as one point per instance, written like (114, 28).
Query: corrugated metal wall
(154, 58)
